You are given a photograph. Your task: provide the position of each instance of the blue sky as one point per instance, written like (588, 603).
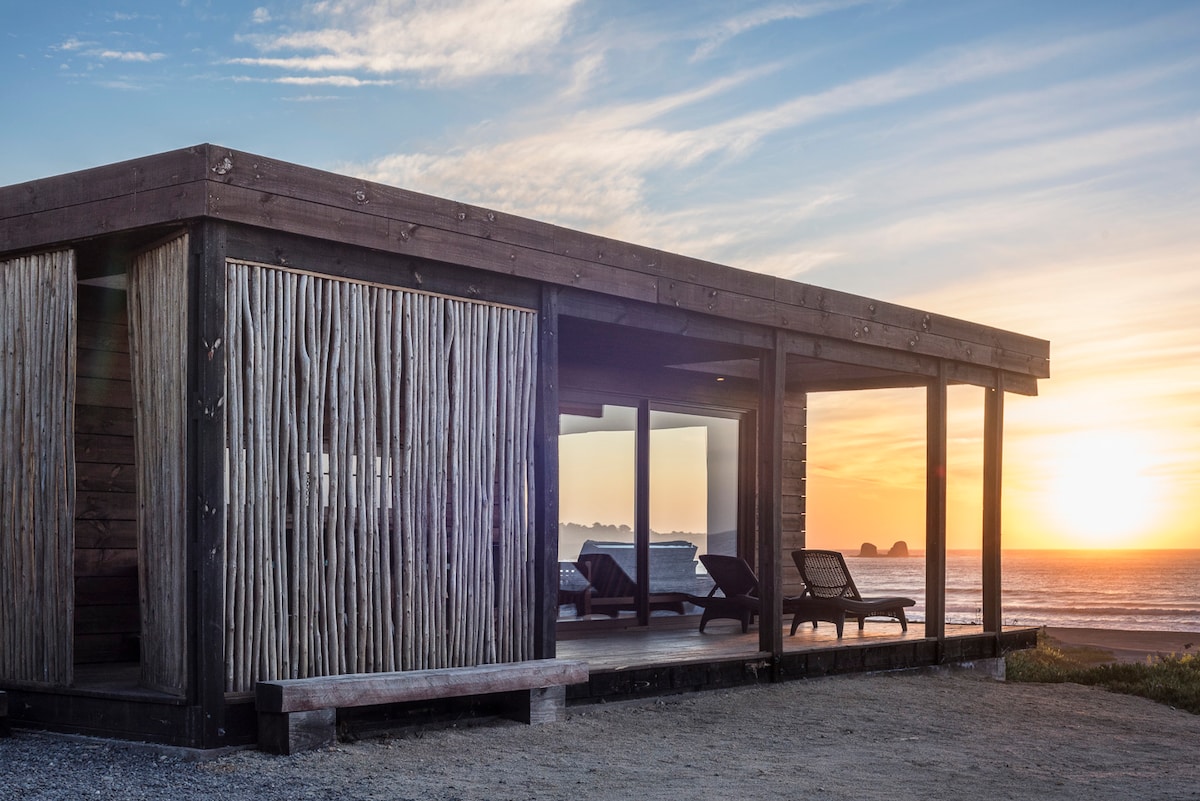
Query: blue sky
(1034, 166)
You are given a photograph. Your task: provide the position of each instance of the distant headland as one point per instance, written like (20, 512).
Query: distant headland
(900, 548)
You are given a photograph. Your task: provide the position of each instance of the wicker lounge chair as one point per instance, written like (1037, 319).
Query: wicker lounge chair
(611, 591)
(830, 594)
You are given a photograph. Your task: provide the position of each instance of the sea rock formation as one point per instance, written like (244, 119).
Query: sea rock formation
(899, 549)
(868, 549)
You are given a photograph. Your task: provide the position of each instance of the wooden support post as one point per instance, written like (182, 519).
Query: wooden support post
(772, 379)
(206, 479)
(539, 705)
(289, 733)
(993, 442)
(641, 516)
(935, 507)
(4, 728)
(545, 557)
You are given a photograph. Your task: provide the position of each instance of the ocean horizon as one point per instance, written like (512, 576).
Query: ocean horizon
(1133, 589)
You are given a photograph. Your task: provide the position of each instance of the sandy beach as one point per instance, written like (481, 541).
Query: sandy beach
(909, 735)
(1128, 646)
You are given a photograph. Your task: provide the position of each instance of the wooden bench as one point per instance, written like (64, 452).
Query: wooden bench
(300, 714)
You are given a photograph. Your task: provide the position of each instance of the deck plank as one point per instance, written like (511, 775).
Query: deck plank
(632, 648)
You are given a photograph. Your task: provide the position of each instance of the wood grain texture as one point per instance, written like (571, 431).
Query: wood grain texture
(380, 479)
(367, 689)
(244, 188)
(37, 467)
(158, 304)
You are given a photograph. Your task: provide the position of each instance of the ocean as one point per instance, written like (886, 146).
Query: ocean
(1132, 590)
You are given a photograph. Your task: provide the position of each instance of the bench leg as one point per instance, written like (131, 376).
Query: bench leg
(292, 732)
(4, 728)
(539, 705)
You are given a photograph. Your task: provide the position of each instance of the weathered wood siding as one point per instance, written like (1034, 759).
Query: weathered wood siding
(795, 434)
(158, 367)
(380, 478)
(37, 467)
(107, 625)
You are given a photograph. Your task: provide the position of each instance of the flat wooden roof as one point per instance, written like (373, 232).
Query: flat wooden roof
(877, 341)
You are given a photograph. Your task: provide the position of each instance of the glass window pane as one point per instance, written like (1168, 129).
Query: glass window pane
(597, 461)
(693, 496)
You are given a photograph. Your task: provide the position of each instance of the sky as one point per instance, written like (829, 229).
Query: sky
(1033, 166)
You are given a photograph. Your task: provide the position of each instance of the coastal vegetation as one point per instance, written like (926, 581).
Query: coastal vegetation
(1172, 679)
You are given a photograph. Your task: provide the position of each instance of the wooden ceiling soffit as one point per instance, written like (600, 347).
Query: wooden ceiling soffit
(817, 375)
(1014, 353)
(652, 318)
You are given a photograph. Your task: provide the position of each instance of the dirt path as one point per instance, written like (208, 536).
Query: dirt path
(897, 736)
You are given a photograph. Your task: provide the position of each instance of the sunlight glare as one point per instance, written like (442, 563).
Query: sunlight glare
(1102, 493)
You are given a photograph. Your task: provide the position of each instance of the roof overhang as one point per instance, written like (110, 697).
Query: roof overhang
(834, 339)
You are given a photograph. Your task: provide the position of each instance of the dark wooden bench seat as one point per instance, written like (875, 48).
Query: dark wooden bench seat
(300, 714)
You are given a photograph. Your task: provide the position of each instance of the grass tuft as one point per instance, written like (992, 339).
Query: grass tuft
(1173, 680)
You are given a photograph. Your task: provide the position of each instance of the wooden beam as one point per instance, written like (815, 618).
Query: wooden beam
(78, 221)
(993, 463)
(545, 558)
(239, 187)
(266, 246)
(935, 508)
(1016, 353)
(206, 477)
(773, 372)
(303, 216)
(416, 215)
(641, 514)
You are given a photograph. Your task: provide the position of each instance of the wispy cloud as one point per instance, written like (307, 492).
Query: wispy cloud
(343, 81)
(761, 17)
(129, 56)
(591, 169)
(444, 41)
(586, 169)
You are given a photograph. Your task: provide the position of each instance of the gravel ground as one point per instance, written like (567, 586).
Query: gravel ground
(895, 737)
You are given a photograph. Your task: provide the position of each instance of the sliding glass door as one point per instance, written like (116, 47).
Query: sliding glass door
(693, 489)
(651, 486)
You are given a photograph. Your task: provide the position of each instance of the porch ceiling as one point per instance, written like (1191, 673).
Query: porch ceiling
(597, 344)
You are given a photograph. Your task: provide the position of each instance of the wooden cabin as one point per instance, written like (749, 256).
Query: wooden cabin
(260, 422)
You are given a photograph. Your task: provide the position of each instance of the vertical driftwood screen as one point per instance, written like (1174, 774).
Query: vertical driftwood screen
(158, 323)
(380, 474)
(37, 467)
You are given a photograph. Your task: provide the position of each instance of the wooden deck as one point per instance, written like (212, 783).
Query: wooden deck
(723, 639)
(637, 662)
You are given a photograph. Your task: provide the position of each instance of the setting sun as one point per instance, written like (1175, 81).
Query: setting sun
(1101, 493)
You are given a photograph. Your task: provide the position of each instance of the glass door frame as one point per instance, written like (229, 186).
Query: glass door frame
(746, 518)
